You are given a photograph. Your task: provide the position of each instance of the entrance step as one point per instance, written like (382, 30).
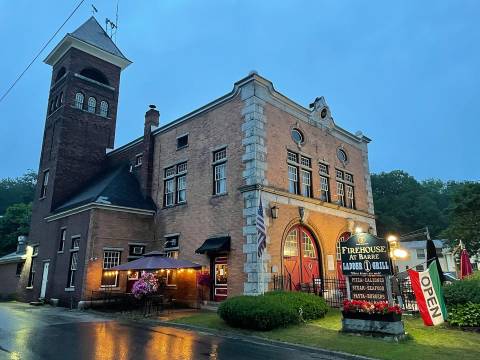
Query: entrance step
(210, 305)
(36, 303)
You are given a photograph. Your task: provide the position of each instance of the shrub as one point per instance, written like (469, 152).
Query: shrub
(272, 310)
(464, 315)
(464, 291)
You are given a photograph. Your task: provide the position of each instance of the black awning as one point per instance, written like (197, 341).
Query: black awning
(216, 244)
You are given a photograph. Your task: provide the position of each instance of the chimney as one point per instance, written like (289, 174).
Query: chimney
(21, 244)
(152, 120)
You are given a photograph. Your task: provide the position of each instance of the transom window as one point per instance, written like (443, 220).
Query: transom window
(92, 104)
(290, 247)
(308, 247)
(75, 243)
(349, 177)
(175, 184)
(323, 168)
(220, 155)
(291, 156)
(305, 161)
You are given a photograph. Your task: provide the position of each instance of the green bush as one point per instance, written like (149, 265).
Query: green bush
(272, 310)
(464, 315)
(464, 291)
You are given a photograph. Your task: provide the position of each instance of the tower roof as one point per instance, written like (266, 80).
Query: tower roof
(91, 32)
(91, 38)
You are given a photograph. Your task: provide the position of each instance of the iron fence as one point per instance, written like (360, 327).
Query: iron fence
(332, 289)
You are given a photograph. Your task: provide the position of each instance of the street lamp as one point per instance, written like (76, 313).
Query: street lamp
(400, 253)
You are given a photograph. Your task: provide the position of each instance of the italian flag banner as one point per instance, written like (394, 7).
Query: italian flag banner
(428, 292)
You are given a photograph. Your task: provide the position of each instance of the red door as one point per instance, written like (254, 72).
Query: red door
(300, 257)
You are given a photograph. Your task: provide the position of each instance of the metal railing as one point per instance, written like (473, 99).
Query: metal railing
(333, 290)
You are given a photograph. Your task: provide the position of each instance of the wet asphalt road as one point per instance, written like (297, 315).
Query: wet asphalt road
(39, 333)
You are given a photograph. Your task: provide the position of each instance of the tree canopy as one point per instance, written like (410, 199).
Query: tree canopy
(449, 209)
(17, 190)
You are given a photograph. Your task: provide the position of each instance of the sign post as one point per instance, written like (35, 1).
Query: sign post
(366, 263)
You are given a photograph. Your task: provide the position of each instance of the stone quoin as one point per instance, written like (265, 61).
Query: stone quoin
(189, 187)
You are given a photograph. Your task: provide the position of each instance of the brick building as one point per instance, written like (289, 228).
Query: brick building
(190, 188)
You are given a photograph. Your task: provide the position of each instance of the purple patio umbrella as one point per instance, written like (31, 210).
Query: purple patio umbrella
(156, 260)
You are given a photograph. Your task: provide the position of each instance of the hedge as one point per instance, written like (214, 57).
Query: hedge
(272, 310)
(464, 291)
(464, 315)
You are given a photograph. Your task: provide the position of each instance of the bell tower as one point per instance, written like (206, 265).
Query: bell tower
(81, 113)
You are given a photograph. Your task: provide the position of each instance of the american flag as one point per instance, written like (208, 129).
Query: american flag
(261, 234)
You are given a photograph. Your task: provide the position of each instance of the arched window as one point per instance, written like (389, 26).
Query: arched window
(92, 104)
(104, 108)
(79, 100)
(60, 74)
(291, 245)
(94, 74)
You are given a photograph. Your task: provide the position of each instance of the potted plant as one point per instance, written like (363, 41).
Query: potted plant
(146, 285)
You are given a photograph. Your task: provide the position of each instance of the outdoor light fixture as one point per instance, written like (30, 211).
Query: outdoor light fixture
(392, 238)
(400, 253)
(274, 211)
(358, 230)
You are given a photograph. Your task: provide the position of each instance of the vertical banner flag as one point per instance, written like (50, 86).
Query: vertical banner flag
(261, 234)
(428, 292)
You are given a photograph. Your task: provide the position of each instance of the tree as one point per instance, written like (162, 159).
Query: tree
(403, 204)
(465, 217)
(15, 222)
(18, 190)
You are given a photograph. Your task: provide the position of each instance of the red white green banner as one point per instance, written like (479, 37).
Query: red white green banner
(428, 292)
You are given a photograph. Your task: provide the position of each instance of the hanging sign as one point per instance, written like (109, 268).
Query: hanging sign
(368, 288)
(365, 254)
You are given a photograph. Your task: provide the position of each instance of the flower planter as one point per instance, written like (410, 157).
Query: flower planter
(390, 317)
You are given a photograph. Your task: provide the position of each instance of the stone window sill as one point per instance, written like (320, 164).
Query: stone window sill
(69, 289)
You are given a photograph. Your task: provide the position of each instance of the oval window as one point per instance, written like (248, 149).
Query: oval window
(297, 136)
(342, 155)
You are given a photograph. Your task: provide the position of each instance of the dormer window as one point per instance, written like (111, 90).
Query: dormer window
(92, 104)
(104, 108)
(79, 100)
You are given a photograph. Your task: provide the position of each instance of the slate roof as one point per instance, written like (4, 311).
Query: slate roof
(12, 258)
(118, 187)
(92, 32)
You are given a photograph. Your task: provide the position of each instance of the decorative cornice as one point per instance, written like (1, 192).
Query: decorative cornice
(275, 191)
(70, 41)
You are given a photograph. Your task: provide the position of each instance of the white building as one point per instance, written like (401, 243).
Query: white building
(417, 256)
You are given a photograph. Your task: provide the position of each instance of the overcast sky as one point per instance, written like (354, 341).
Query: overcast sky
(406, 73)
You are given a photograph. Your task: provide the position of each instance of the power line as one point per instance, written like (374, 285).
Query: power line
(41, 50)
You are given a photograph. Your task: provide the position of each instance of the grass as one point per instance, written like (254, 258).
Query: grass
(426, 343)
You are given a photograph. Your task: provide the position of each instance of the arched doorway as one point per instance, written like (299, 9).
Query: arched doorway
(301, 255)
